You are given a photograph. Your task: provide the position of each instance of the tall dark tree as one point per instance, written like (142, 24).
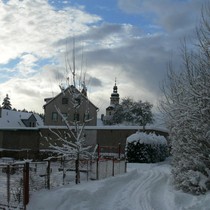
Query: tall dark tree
(6, 103)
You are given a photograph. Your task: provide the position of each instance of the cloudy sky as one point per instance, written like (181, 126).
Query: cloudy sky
(130, 40)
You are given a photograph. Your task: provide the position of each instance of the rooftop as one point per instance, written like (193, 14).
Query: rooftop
(15, 119)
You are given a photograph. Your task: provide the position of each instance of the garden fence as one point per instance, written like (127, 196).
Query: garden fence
(19, 180)
(12, 187)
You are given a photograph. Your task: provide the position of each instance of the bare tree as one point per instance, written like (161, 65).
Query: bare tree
(72, 142)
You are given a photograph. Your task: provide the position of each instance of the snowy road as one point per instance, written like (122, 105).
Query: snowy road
(137, 190)
(144, 187)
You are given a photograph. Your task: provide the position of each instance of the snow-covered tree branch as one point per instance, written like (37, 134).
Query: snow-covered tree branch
(186, 107)
(71, 142)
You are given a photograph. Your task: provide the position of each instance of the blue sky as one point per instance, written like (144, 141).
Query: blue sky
(110, 12)
(128, 40)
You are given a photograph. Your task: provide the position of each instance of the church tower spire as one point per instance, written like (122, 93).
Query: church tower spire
(115, 98)
(114, 101)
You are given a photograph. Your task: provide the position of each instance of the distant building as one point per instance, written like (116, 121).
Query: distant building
(114, 101)
(17, 119)
(19, 133)
(64, 101)
(22, 134)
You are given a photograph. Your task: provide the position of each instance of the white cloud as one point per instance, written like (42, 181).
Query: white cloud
(34, 30)
(35, 26)
(25, 66)
(29, 93)
(31, 31)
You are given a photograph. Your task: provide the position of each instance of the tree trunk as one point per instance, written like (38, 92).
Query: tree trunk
(77, 180)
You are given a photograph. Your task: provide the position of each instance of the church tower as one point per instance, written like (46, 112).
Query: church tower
(114, 101)
(115, 98)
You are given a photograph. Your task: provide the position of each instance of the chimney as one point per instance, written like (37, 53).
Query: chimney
(84, 92)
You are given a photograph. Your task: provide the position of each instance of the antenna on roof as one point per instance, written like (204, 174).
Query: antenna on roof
(67, 81)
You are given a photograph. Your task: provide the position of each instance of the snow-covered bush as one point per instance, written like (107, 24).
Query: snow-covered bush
(146, 148)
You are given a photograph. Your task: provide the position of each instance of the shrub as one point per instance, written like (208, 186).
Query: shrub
(146, 148)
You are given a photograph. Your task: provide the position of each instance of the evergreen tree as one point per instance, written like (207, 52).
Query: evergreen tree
(6, 103)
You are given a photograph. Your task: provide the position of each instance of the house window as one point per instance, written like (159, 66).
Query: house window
(86, 116)
(31, 124)
(64, 115)
(65, 100)
(76, 117)
(77, 101)
(54, 116)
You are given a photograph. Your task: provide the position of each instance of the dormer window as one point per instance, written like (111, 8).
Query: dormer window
(32, 124)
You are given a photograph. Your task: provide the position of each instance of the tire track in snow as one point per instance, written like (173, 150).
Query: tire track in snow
(159, 192)
(139, 196)
(155, 190)
(144, 191)
(140, 189)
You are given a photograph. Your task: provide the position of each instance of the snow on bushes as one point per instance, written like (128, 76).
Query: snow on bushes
(146, 148)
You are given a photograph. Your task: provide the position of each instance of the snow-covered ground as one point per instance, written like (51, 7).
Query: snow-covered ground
(144, 187)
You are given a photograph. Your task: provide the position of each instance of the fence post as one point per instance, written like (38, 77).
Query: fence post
(48, 174)
(87, 162)
(125, 166)
(8, 184)
(113, 167)
(26, 184)
(99, 151)
(63, 168)
(97, 170)
(119, 151)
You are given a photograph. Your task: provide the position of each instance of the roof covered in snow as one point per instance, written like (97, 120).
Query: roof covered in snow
(16, 119)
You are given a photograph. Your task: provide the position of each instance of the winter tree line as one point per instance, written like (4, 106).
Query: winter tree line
(186, 107)
(129, 112)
